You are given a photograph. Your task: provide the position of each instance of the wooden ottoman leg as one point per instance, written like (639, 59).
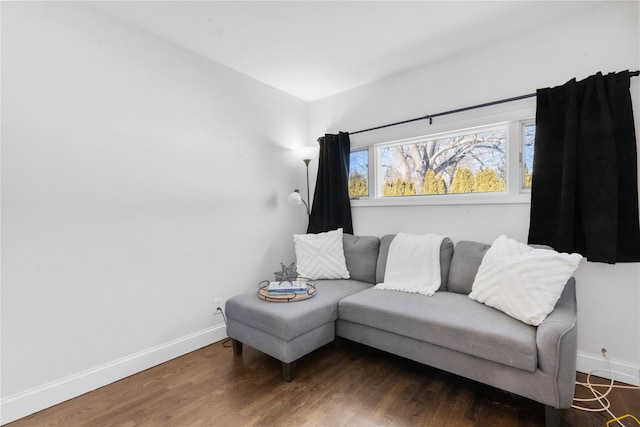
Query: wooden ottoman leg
(288, 371)
(237, 347)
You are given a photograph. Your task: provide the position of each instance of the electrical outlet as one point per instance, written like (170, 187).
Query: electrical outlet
(217, 305)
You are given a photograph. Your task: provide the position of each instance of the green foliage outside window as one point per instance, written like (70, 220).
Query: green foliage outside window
(399, 188)
(433, 184)
(487, 181)
(358, 185)
(464, 181)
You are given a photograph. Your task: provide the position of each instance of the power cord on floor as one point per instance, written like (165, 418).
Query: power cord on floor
(601, 397)
(227, 342)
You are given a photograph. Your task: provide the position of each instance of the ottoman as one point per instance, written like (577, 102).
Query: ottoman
(288, 330)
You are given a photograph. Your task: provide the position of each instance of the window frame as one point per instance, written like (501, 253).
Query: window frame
(514, 174)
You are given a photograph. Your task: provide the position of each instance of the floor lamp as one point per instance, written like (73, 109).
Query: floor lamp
(306, 153)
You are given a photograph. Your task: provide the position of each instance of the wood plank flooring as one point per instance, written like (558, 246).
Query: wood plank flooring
(351, 386)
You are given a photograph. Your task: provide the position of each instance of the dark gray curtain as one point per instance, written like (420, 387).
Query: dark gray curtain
(584, 195)
(331, 207)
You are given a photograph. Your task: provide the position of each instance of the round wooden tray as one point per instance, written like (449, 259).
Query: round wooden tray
(263, 293)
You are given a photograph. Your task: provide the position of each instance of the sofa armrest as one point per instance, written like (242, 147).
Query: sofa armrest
(556, 339)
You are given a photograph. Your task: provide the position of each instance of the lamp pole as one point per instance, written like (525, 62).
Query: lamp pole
(306, 162)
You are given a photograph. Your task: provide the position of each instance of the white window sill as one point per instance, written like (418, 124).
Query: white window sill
(449, 199)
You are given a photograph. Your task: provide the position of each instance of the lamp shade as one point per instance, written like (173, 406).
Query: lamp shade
(307, 152)
(295, 198)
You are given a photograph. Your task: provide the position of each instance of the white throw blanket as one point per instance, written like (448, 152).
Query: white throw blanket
(413, 264)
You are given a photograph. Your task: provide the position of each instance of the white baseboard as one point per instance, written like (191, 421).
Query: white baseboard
(598, 365)
(28, 402)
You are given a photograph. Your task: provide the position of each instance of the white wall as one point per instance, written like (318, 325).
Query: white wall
(139, 182)
(607, 39)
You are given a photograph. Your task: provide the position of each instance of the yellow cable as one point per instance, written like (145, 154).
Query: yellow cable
(622, 417)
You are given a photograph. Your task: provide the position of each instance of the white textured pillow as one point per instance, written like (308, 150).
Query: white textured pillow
(321, 256)
(521, 281)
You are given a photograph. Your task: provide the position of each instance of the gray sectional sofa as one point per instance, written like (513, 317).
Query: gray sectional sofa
(448, 330)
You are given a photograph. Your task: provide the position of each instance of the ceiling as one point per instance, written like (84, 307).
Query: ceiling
(314, 49)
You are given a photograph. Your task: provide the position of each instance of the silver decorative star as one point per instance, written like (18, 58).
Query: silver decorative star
(287, 273)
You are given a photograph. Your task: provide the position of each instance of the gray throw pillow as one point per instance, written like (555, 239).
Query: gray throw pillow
(361, 255)
(467, 258)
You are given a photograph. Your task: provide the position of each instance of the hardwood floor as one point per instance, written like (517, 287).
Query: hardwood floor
(347, 386)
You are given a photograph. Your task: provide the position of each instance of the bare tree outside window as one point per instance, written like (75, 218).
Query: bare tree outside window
(474, 162)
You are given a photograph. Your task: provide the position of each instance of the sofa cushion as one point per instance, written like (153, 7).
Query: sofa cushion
(447, 319)
(467, 258)
(446, 253)
(292, 319)
(361, 255)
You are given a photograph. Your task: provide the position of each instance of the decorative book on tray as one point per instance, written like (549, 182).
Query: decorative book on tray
(288, 287)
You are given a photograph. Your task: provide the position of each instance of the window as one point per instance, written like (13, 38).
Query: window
(481, 164)
(528, 139)
(469, 162)
(359, 174)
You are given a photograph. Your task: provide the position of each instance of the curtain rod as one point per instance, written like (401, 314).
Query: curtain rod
(460, 110)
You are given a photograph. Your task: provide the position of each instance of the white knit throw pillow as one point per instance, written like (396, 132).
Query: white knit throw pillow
(521, 281)
(321, 256)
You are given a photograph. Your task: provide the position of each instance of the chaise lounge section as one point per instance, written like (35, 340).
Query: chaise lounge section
(288, 331)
